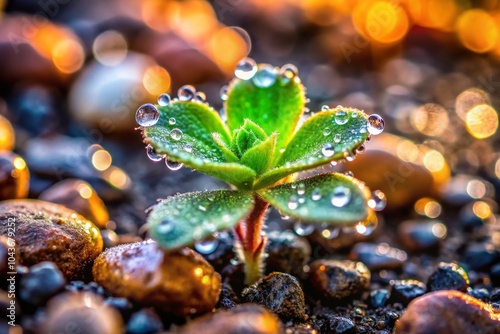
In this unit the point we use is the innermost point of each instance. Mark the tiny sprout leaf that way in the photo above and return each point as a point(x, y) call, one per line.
point(182, 220)
point(229, 155)
point(334, 199)
point(247, 136)
point(260, 156)
point(327, 136)
point(275, 108)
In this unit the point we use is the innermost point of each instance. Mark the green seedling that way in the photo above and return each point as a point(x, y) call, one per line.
point(258, 146)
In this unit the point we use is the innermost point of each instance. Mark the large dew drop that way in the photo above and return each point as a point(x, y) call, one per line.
point(376, 124)
point(288, 72)
point(186, 93)
point(378, 200)
point(341, 196)
point(152, 155)
point(147, 115)
point(301, 189)
point(173, 165)
point(341, 117)
point(303, 229)
point(206, 246)
point(245, 69)
point(176, 134)
point(223, 93)
point(293, 202)
point(265, 77)
point(166, 226)
point(316, 194)
point(163, 100)
point(200, 97)
point(327, 150)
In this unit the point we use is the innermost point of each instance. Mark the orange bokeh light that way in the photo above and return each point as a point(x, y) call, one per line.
point(477, 30)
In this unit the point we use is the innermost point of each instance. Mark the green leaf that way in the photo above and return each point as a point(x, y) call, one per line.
point(260, 156)
point(327, 136)
point(335, 199)
point(195, 147)
point(276, 108)
point(183, 219)
point(228, 154)
point(247, 136)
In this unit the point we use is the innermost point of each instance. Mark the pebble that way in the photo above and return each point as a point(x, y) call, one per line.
point(227, 298)
point(480, 293)
point(379, 297)
point(287, 252)
point(145, 321)
point(420, 235)
point(81, 312)
point(245, 318)
point(7, 136)
point(448, 276)
point(338, 325)
point(122, 305)
point(79, 196)
point(14, 176)
point(404, 291)
point(378, 256)
point(181, 282)
point(480, 255)
point(51, 232)
point(279, 292)
point(43, 281)
point(444, 312)
point(335, 280)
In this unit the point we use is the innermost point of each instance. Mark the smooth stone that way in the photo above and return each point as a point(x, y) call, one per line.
point(145, 321)
point(43, 281)
point(81, 312)
point(335, 280)
point(7, 136)
point(279, 292)
point(455, 192)
point(419, 235)
point(14, 176)
point(79, 196)
point(480, 255)
point(338, 325)
point(379, 297)
point(404, 291)
point(181, 282)
point(479, 293)
point(50, 232)
point(444, 312)
point(287, 252)
point(448, 276)
point(244, 318)
point(378, 256)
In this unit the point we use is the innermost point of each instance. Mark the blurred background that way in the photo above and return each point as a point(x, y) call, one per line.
point(72, 74)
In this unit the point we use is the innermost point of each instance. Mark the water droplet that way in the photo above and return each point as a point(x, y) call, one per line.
point(334, 163)
point(341, 196)
point(327, 150)
point(349, 173)
point(301, 189)
point(163, 99)
point(150, 151)
point(363, 229)
point(245, 69)
point(171, 121)
point(186, 93)
point(316, 194)
point(188, 148)
point(166, 226)
point(302, 200)
point(376, 124)
point(173, 165)
point(202, 208)
point(282, 150)
point(330, 232)
point(350, 156)
point(147, 115)
point(223, 114)
point(293, 202)
point(303, 229)
point(378, 200)
point(223, 93)
point(360, 149)
point(354, 114)
point(341, 117)
point(327, 131)
point(325, 107)
point(206, 246)
point(176, 134)
point(337, 138)
point(265, 77)
point(200, 97)
point(288, 72)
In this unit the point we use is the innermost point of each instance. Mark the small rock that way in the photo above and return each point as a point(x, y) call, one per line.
point(122, 305)
point(480, 255)
point(379, 297)
point(335, 280)
point(279, 292)
point(145, 321)
point(480, 293)
point(81, 312)
point(80, 286)
point(457, 190)
point(378, 256)
point(7, 137)
point(287, 252)
point(406, 290)
point(43, 281)
point(180, 282)
point(448, 276)
point(246, 318)
point(109, 238)
point(50, 232)
point(14, 176)
point(338, 325)
point(418, 235)
point(448, 312)
point(227, 298)
point(79, 196)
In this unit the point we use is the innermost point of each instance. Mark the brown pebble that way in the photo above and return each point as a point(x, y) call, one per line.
point(50, 232)
point(81, 312)
point(78, 195)
point(448, 311)
point(181, 282)
point(14, 176)
point(7, 137)
point(245, 318)
point(335, 280)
